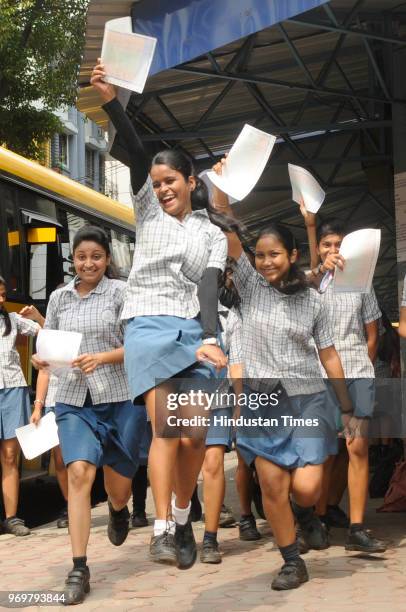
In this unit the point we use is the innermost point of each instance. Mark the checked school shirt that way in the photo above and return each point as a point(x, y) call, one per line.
point(97, 316)
point(11, 374)
point(349, 313)
point(279, 332)
point(170, 259)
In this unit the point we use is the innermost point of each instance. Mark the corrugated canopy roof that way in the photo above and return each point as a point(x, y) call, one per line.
point(321, 81)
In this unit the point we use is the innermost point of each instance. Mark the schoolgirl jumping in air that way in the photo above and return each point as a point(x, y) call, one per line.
point(171, 313)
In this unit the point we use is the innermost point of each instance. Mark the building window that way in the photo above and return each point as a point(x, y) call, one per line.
point(60, 152)
point(89, 167)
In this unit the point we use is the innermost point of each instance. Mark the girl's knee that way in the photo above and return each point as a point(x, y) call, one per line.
point(81, 474)
point(307, 493)
point(213, 464)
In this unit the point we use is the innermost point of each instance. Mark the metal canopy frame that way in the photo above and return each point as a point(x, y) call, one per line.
point(321, 82)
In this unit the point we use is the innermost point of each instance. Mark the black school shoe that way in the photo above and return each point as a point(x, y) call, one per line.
point(162, 549)
point(77, 585)
point(63, 519)
point(248, 529)
point(363, 541)
point(119, 525)
point(139, 519)
point(210, 552)
point(312, 530)
point(185, 544)
point(291, 576)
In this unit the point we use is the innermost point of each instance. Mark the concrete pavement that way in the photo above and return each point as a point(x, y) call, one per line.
point(124, 579)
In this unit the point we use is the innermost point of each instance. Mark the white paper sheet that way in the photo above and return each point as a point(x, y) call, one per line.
point(205, 178)
point(306, 188)
point(245, 163)
point(360, 250)
point(58, 348)
point(37, 439)
point(127, 57)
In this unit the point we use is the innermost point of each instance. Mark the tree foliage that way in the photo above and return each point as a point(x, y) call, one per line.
point(41, 44)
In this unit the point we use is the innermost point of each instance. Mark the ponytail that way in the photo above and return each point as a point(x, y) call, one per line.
point(4, 314)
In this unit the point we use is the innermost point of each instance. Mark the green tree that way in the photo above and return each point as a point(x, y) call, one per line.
point(41, 44)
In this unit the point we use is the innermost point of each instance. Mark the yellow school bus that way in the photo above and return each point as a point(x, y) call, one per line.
point(40, 212)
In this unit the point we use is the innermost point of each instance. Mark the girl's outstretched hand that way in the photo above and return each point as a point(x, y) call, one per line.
point(107, 91)
point(309, 218)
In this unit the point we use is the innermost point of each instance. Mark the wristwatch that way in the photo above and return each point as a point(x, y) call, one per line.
point(212, 341)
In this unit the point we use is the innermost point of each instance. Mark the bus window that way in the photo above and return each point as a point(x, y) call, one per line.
point(13, 241)
point(73, 224)
point(122, 254)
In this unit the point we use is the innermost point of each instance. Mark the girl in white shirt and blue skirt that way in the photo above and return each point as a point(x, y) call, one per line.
point(15, 408)
point(98, 425)
point(171, 311)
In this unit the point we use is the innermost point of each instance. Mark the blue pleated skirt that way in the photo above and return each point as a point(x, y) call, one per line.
point(157, 348)
point(102, 434)
point(15, 411)
point(283, 442)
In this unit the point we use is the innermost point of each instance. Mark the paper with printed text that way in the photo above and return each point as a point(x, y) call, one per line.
point(127, 56)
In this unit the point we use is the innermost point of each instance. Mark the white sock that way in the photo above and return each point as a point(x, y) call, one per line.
point(162, 525)
point(180, 515)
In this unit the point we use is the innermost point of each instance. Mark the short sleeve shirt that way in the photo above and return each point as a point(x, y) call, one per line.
point(97, 316)
point(349, 313)
point(170, 259)
point(11, 374)
point(279, 333)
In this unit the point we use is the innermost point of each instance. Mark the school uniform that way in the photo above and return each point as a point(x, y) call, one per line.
point(161, 305)
point(50, 399)
point(349, 313)
point(280, 361)
point(15, 407)
point(96, 420)
point(222, 434)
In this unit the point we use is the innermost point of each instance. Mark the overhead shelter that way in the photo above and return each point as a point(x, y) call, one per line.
point(327, 81)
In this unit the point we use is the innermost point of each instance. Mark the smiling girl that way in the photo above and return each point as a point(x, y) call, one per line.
point(171, 309)
point(97, 424)
point(282, 320)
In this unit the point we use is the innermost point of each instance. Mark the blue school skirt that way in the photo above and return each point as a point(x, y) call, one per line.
point(15, 411)
point(102, 434)
point(362, 394)
point(283, 441)
point(220, 432)
point(157, 348)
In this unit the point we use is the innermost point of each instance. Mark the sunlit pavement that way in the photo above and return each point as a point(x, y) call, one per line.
point(124, 578)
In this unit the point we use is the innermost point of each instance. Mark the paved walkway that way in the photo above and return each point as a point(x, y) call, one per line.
point(124, 578)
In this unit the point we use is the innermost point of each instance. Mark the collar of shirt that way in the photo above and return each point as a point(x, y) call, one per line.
point(202, 212)
point(100, 288)
point(265, 283)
